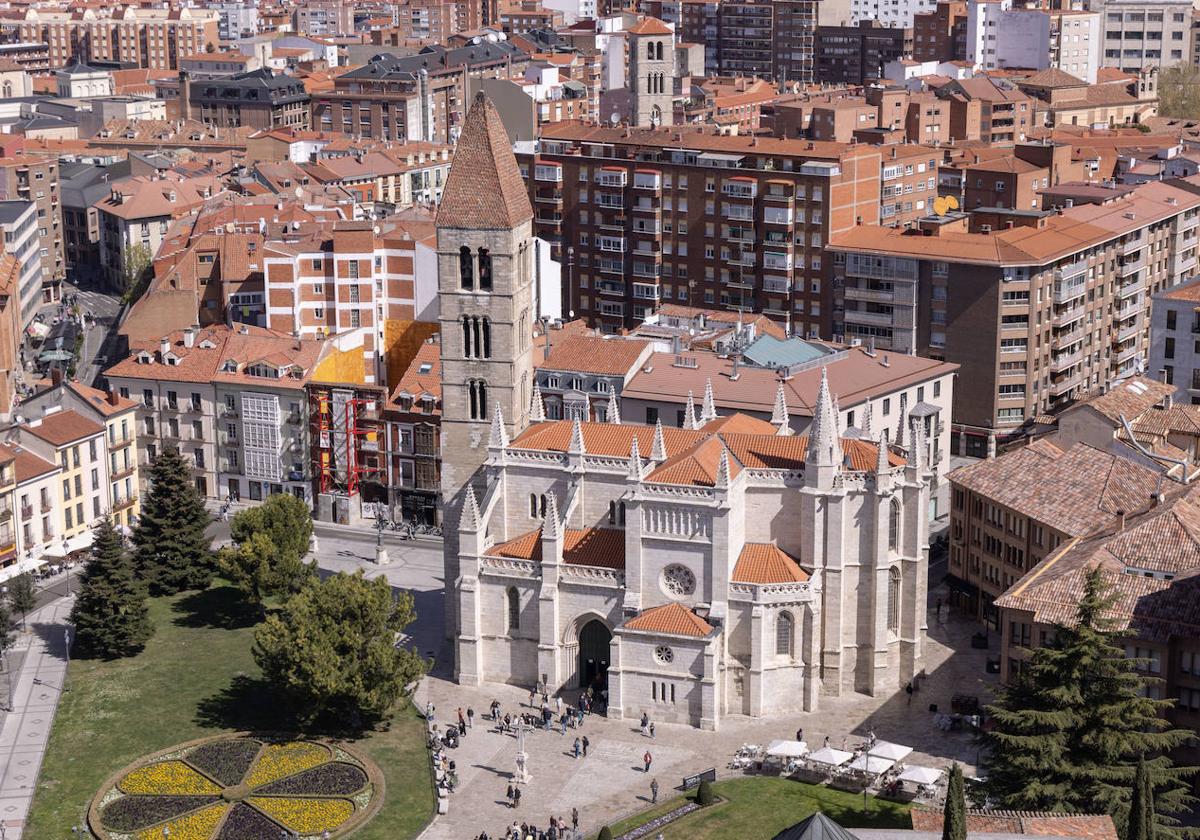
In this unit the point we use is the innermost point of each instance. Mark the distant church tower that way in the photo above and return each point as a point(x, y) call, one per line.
point(486, 300)
point(651, 45)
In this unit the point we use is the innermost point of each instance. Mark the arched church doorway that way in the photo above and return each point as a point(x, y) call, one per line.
point(594, 640)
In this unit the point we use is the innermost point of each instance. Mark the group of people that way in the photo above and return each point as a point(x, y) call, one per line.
point(445, 773)
point(557, 830)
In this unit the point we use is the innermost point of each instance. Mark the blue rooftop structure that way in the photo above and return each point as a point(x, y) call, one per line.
point(770, 352)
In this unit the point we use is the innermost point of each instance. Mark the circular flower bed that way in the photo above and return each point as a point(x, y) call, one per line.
point(239, 787)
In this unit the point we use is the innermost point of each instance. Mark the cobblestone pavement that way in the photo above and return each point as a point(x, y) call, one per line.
point(610, 782)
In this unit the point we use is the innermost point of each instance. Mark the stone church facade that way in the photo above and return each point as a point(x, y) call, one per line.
point(727, 567)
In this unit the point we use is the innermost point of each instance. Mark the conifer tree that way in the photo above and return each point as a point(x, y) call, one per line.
point(954, 813)
point(172, 551)
point(1140, 824)
point(22, 595)
point(1069, 731)
point(110, 615)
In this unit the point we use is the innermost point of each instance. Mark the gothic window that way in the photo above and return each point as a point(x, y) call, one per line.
point(533, 505)
point(485, 326)
point(466, 272)
point(542, 506)
point(678, 581)
point(784, 633)
point(477, 399)
point(612, 513)
point(893, 602)
point(650, 50)
point(658, 52)
point(485, 270)
point(514, 609)
point(621, 514)
point(894, 525)
point(468, 337)
point(8, 90)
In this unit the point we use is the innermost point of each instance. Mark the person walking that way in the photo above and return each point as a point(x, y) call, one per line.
point(462, 720)
point(908, 689)
point(429, 710)
point(654, 791)
point(585, 742)
point(645, 724)
point(532, 697)
point(562, 724)
point(647, 759)
point(577, 747)
point(574, 819)
point(516, 797)
point(509, 795)
point(651, 729)
point(558, 703)
point(800, 734)
point(470, 718)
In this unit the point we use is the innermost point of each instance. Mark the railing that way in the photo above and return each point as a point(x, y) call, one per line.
point(122, 502)
point(26, 511)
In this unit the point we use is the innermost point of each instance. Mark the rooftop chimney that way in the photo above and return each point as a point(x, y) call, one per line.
point(189, 336)
point(164, 347)
point(1121, 520)
point(111, 396)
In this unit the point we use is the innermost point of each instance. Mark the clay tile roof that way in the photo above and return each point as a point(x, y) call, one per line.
point(593, 354)
point(649, 26)
point(696, 466)
point(1053, 78)
point(603, 547)
point(28, 466)
point(485, 188)
point(1038, 823)
point(673, 619)
point(63, 427)
point(765, 563)
point(1130, 398)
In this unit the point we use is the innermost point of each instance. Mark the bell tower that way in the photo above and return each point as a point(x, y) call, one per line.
point(486, 302)
point(651, 45)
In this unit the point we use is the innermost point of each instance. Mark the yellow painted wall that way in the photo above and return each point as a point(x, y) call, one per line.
point(401, 341)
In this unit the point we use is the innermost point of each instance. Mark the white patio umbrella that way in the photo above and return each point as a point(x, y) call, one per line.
point(919, 775)
point(886, 749)
point(872, 764)
point(830, 756)
point(787, 749)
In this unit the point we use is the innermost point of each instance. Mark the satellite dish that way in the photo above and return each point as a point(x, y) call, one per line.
point(299, 192)
point(614, 118)
point(376, 230)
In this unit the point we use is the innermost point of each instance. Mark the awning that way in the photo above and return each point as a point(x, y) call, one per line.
point(873, 765)
point(61, 548)
point(918, 775)
point(37, 329)
point(787, 749)
point(830, 756)
point(886, 749)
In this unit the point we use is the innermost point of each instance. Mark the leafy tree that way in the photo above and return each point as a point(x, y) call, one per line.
point(1179, 92)
point(331, 651)
point(22, 595)
point(1140, 825)
point(172, 551)
point(1068, 732)
point(110, 615)
point(285, 520)
point(954, 814)
point(134, 272)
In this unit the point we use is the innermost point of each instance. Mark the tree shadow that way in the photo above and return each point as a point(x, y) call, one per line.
point(221, 606)
point(252, 704)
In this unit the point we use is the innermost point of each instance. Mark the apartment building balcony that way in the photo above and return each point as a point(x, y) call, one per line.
point(1066, 291)
point(777, 284)
point(610, 287)
point(740, 213)
point(6, 512)
point(123, 472)
point(1127, 333)
point(548, 196)
point(1069, 317)
point(613, 177)
point(26, 511)
point(1066, 339)
point(8, 478)
point(609, 266)
point(551, 172)
point(647, 291)
point(548, 220)
point(612, 223)
point(779, 192)
point(47, 506)
point(740, 188)
point(647, 180)
point(1128, 290)
point(740, 282)
point(226, 411)
point(1059, 363)
point(122, 502)
point(641, 269)
point(1132, 351)
point(877, 319)
point(1133, 266)
point(645, 227)
point(777, 262)
point(1061, 386)
point(645, 204)
point(778, 216)
point(1131, 245)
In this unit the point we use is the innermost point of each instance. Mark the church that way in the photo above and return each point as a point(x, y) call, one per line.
point(726, 567)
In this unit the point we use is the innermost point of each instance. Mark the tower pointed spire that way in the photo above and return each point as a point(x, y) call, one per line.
point(635, 461)
point(866, 423)
point(723, 468)
point(837, 417)
point(485, 190)
point(902, 421)
point(689, 412)
point(779, 413)
point(824, 444)
point(537, 408)
point(575, 447)
point(708, 409)
point(613, 413)
point(916, 446)
point(471, 520)
point(499, 436)
point(883, 465)
point(658, 451)
point(551, 527)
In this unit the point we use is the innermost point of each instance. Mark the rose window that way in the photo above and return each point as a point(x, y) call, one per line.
point(664, 654)
point(679, 580)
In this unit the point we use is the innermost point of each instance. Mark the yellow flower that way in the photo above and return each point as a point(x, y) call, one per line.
point(198, 825)
point(307, 816)
point(277, 761)
point(167, 777)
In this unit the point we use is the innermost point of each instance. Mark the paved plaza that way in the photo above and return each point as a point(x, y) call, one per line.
point(610, 782)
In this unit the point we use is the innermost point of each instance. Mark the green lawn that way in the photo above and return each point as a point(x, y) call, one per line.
point(195, 678)
point(762, 806)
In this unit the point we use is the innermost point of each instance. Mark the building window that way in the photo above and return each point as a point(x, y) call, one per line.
point(477, 336)
point(465, 270)
point(477, 398)
point(514, 609)
point(485, 270)
point(894, 524)
point(893, 602)
point(784, 633)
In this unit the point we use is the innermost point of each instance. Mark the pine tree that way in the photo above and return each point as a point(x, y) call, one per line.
point(271, 541)
point(172, 551)
point(22, 595)
point(954, 814)
point(1069, 731)
point(1140, 824)
point(110, 615)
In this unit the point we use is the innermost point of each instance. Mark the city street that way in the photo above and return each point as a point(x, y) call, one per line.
point(98, 335)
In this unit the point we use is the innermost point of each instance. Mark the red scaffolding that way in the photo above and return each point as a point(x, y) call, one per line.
point(345, 437)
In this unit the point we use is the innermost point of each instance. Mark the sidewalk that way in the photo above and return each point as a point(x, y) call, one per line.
point(26, 731)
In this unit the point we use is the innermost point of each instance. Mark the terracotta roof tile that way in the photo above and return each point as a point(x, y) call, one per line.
point(27, 466)
point(485, 188)
point(674, 619)
point(63, 427)
point(1130, 398)
point(593, 354)
point(649, 26)
point(603, 547)
point(766, 563)
point(697, 466)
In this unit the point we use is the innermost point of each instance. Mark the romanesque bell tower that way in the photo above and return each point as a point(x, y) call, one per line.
point(486, 300)
point(651, 45)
